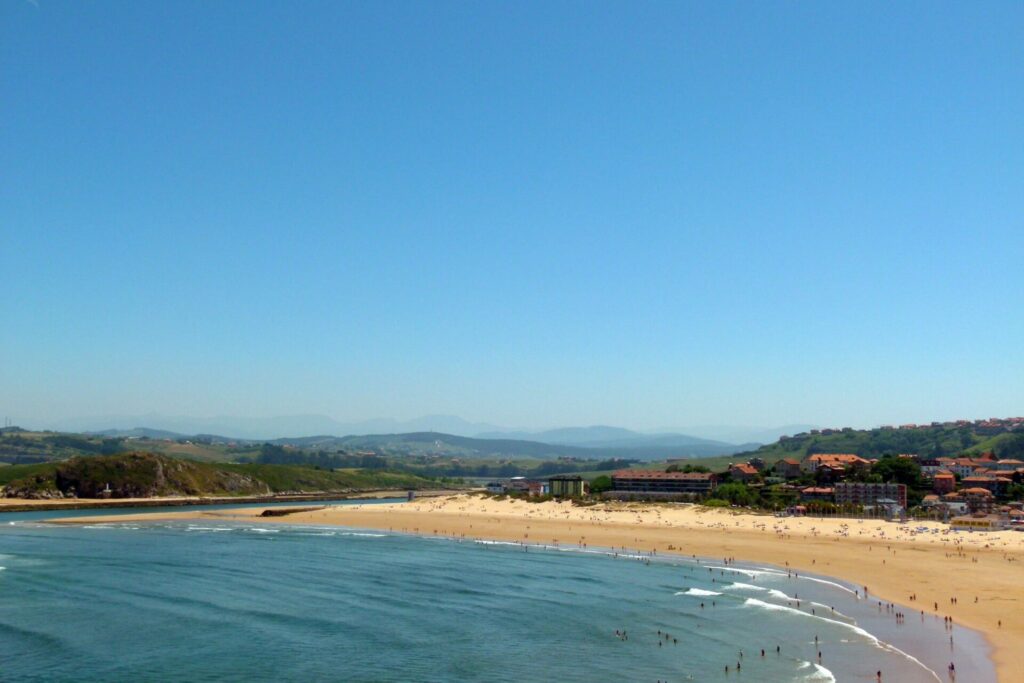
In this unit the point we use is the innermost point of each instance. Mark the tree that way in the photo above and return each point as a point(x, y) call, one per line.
point(601, 484)
point(735, 493)
point(687, 468)
point(899, 470)
point(1012, 447)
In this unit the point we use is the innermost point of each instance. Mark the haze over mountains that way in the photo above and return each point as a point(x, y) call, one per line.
point(274, 427)
point(294, 426)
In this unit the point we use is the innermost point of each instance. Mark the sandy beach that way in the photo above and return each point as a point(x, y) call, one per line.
point(982, 572)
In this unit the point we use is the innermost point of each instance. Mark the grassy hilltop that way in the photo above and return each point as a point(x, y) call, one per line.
point(143, 475)
point(932, 441)
point(18, 446)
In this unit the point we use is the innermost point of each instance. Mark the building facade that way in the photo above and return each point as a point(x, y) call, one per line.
point(822, 493)
point(945, 482)
point(665, 483)
point(744, 473)
point(567, 486)
point(863, 493)
point(788, 468)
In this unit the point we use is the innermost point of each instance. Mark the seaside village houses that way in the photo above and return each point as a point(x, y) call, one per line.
point(968, 492)
point(963, 491)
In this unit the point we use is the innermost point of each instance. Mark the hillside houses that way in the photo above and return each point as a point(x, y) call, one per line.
point(745, 473)
point(841, 478)
point(833, 461)
point(788, 468)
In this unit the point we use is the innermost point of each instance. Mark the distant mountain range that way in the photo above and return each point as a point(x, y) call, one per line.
point(264, 428)
point(439, 443)
point(734, 434)
point(272, 427)
point(436, 443)
point(600, 436)
point(267, 428)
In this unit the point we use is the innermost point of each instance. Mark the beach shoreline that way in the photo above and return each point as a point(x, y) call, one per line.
point(942, 571)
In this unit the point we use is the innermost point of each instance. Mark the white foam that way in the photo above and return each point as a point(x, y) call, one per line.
point(771, 591)
point(263, 531)
point(485, 542)
point(359, 533)
point(831, 583)
point(880, 644)
point(752, 573)
point(700, 592)
point(833, 612)
point(821, 674)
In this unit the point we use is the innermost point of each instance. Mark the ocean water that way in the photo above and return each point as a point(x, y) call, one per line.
point(202, 601)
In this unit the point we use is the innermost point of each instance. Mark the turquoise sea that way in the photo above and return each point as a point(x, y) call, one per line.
point(200, 601)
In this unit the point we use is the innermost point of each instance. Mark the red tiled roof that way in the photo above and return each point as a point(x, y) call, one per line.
point(977, 491)
point(830, 458)
point(655, 474)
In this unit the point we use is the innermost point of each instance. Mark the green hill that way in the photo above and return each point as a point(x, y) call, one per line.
point(19, 447)
point(416, 444)
point(926, 441)
point(144, 475)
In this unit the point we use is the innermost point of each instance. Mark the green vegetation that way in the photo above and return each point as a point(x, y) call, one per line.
point(1009, 445)
point(600, 484)
point(129, 475)
point(22, 447)
point(141, 475)
point(689, 467)
point(433, 466)
point(888, 469)
point(736, 494)
point(926, 442)
point(285, 478)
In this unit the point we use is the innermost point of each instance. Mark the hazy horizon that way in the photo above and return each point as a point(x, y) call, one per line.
point(532, 215)
point(303, 425)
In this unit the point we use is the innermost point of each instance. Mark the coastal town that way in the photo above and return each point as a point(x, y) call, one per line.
point(980, 492)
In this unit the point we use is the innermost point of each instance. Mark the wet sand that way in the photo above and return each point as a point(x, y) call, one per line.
point(983, 572)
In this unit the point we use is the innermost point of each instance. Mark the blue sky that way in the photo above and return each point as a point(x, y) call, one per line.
point(530, 214)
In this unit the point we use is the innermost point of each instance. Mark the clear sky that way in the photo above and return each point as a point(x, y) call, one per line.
point(530, 214)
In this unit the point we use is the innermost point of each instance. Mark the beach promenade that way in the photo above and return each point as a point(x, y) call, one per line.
point(977, 579)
